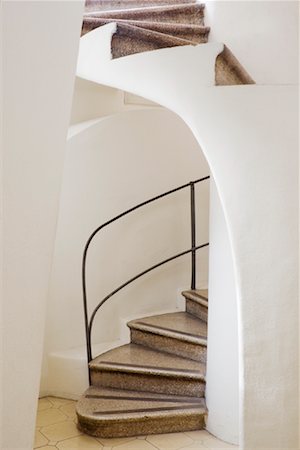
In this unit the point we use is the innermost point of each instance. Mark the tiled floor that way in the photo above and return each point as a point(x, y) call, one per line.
point(56, 429)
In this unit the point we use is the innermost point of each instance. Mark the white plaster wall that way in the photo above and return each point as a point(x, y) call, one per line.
point(91, 101)
point(263, 35)
point(40, 43)
point(222, 393)
point(249, 136)
point(114, 164)
point(1, 232)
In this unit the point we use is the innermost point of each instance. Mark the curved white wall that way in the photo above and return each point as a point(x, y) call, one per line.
point(222, 392)
point(115, 163)
point(245, 132)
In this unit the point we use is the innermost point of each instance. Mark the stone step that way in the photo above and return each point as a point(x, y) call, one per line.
point(128, 40)
point(197, 303)
point(187, 13)
point(138, 368)
point(176, 333)
point(195, 33)
point(110, 5)
point(229, 71)
point(107, 413)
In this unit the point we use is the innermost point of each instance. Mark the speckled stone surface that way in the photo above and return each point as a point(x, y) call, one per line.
point(196, 33)
point(197, 310)
point(176, 333)
point(132, 358)
point(179, 325)
point(135, 367)
point(109, 5)
point(149, 383)
point(113, 413)
point(128, 40)
point(197, 295)
point(228, 70)
point(170, 345)
point(188, 13)
point(146, 387)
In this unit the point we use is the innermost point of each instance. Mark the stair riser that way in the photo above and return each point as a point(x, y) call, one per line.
point(197, 310)
point(127, 45)
point(148, 383)
point(169, 345)
point(110, 429)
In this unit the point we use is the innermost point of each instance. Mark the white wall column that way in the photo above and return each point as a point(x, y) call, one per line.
point(40, 43)
point(222, 393)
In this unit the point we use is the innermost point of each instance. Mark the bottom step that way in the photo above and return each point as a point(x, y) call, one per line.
point(107, 413)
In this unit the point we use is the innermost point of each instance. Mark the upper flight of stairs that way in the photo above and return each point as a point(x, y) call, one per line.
point(155, 384)
point(148, 25)
point(143, 25)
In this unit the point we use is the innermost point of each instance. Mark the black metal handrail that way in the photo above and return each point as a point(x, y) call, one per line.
point(192, 250)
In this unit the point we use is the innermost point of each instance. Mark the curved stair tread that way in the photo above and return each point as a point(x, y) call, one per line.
point(190, 13)
point(196, 33)
point(133, 358)
point(117, 404)
point(197, 295)
point(179, 325)
point(105, 5)
point(107, 413)
point(128, 40)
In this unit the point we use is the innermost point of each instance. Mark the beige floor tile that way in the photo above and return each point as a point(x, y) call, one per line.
point(49, 417)
point(80, 442)
point(114, 442)
point(214, 443)
point(137, 444)
point(196, 445)
point(69, 409)
point(43, 404)
point(61, 431)
point(48, 447)
point(39, 439)
point(170, 440)
point(197, 435)
point(57, 402)
point(141, 437)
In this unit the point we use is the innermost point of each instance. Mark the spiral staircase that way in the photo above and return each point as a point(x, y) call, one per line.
point(156, 383)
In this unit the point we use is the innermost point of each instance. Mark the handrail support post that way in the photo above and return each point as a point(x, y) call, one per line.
point(193, 235)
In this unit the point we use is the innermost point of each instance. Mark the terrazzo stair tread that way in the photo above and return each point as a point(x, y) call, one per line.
point(179, 325)
point(128, 40)
point(105, 412)
point(134, 358)
point(197, 295)
point(135, 367)
point(195, 33)
point(189, 13)
point(104, 5)
point(178, 333)
point(229, 71)
point(196, 302)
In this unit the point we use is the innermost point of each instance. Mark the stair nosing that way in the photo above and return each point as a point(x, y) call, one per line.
point(168, 332)
point(146, 8)
point(163, 36)
point(169, 372)
point(195, 297)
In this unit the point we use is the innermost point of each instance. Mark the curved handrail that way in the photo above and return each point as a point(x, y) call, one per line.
point(89, 322)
